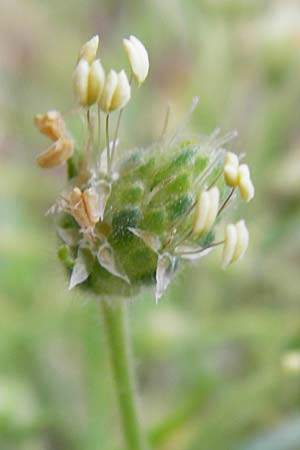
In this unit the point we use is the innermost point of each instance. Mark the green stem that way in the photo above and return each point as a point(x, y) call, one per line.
point(115, 318)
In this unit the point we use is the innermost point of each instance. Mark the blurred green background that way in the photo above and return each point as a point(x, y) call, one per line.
point(211, 352)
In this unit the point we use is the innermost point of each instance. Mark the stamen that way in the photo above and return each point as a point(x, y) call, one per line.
point(215, 180)
point(99, 128)
point(114, 146)
point(107, 142)
point(89, 143)
point(226, 201)
point(213, 244)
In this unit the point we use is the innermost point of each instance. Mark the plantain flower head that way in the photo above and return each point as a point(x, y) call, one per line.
point(138, 58)
point(128, 220)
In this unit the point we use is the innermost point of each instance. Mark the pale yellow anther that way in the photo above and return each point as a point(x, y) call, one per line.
point(236, 242)
point(229, 245)
point(206, 210)
point(80, 81)
point(122, 92)
point(88, 82)
point(51, 124)
point(84, 207)
point(242, 240)
point(56, 154)
point(238, 176)
point(138, 58)
point(231, 159)
point(214, 197)
point(245, 184)
point(110, 86)
point(201, 212)
point(116, 92)
point(89, 50)
point(231, 166)
point(96, 82)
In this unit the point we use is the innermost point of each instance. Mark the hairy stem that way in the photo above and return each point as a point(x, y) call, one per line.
point(117, 333)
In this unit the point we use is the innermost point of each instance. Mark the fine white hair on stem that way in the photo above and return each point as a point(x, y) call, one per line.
point(166, 122)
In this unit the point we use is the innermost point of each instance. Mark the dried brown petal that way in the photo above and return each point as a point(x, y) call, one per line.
point(90, 199)
point(84, 207)
point(56, 154)
point(51, 124)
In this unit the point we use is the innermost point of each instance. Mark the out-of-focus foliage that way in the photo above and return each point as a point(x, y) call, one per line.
point(211, 351)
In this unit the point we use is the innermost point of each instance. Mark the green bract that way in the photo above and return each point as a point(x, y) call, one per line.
point(149, 209)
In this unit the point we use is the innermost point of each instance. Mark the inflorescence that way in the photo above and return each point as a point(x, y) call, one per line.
point(128, 220)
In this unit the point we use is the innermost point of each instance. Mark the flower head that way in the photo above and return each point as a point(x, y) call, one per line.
point(127, 220)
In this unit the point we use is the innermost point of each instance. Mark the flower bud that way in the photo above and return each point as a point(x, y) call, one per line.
point(89, 50)
point(88, 81)
point(235, 243)
point(206, 210)
point(116, 92)
point(84, 207)
point(51, 124)
point(56, 154)
point(245, 184)
point(138, 58)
